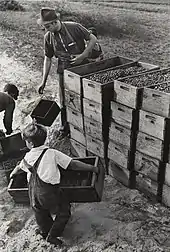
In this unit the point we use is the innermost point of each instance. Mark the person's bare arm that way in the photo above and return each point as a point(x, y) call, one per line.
point(79, 58)
point(46, 70)
point(81, 166)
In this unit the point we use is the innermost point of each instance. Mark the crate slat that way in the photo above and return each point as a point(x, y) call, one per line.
point(74, 117)
point(152, 124)
point(93, 128)
point(155, 101)
point(77, 134)
point(74, 101)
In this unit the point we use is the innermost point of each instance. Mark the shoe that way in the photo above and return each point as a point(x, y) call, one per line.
point(54, 240)
point(40, 232)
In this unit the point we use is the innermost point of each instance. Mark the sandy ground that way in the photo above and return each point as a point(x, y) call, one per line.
point(123, 221)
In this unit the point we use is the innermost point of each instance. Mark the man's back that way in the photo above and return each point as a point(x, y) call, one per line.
point(5, 101)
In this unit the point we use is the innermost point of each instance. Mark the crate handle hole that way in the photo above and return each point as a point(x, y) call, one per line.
point(119, 129)
point(91, 85)
point(70, 76)
point(120, 109)
point(124, 88)
point(156, 95)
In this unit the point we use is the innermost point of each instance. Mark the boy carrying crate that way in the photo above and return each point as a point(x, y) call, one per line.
point(42, 166)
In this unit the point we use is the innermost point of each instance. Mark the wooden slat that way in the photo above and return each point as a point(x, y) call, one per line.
point(156, 101)
point(147, 186)
point(147, 165)
point(74, 117)
point(77, 134)
point(95, 146)
point(120, 134)
point(93, 128)
point(119, 173)
point(73, 100)
point(77, 149)
point(119, 154)
point(152, 124)
point(92, 110)
point(149, 145)
point(166, 195)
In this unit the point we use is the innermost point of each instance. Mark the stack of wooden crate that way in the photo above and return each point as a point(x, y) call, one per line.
point(84, 106)
point(124, 127)
point(152, 137)
point(156, 117)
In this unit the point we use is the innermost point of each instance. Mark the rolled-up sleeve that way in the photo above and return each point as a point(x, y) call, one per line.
point(62, 159)
point(48, 46)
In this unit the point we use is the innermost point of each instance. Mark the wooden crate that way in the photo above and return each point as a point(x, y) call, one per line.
point(46, 112)
point(155, 101)
point(120, 155)
point(125, 116)
point(166, 195)
point(149, 145)
point(93, 110)
point(132, 96)
point(77, 134)
point(12, 144)
point(8, 162)
point(74, 117)
point(153, 124)
point(74, 101)
point(122, 135)
point(73, 76)
point(167, 175)
point(95, 146)
point(78, 186)
point(77, 149)
point(93, 128)
point(121, 174)
point(99, 92)
point(147, 165)
point(147, 186)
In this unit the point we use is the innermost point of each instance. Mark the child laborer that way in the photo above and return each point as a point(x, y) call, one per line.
point(7, 104)
point(41, 164)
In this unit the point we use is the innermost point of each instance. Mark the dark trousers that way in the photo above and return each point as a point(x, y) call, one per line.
point(46, 199)
point(62, 101)
point(47, 225)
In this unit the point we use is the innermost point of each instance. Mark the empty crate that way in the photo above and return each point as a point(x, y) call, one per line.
point(46, 112)
point(78, 186)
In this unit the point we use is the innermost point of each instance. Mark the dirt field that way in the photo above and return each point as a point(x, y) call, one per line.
point(125, 220)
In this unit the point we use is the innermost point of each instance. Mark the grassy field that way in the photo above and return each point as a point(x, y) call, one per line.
point(138, 29)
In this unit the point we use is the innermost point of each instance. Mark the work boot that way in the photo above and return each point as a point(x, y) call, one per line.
point(40, 232)
point(54, 240)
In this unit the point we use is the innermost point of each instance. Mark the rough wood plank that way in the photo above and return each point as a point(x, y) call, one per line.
point(152, 124)
point(147, 186)
point(77, 134)
point(118, 154)
point(73, 100)
point(166, 195)
point(95, 146)
point(120, 134)
point(156, 101)
point(149, 145)
point(92, 110)
point(147, 165)
point(119, 173)
point(74, 117)
point(77, 149)
point(126, 94)
point(93, 128)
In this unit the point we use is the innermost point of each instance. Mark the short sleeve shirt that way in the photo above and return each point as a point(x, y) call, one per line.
point(78, 33)
point(48, 170)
